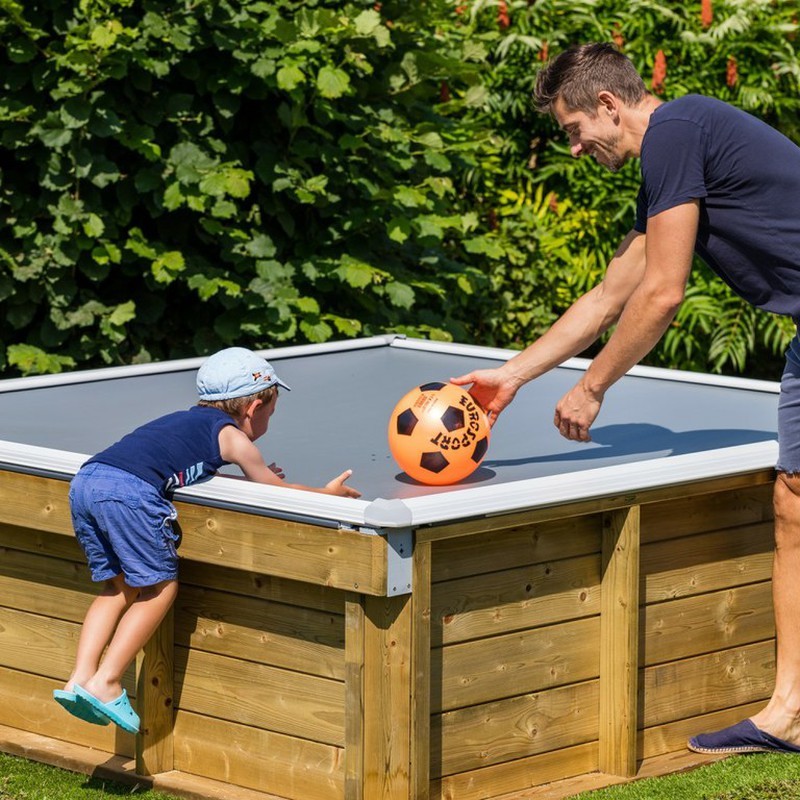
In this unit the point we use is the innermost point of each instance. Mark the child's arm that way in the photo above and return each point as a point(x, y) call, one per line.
point(236, 448)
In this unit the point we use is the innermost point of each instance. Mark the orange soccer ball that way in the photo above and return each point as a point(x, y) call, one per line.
point(438, 434)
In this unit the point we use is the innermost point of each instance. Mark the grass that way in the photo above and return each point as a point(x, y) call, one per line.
point(753, 777)
point(756, 777)
point(21, 779)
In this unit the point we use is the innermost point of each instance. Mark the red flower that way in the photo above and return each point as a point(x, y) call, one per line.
point(444, 92)
point(659, 72)
point(503, 17)
point(706, 13)
point(617, 36)
point(732, 72)
point(544, 53)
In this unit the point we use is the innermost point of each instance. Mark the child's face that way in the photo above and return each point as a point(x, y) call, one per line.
point(261, 417)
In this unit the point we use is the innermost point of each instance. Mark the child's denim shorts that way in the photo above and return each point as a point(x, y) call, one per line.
point(124, 526)
point(789, 412)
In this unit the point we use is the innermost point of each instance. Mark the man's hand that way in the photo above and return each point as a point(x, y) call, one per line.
point(493, 389)
point(575, 413)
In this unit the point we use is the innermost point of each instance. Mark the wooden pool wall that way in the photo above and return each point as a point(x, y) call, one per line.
point(535, 646)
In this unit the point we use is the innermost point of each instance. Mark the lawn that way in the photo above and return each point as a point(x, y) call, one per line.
point(28, 780)
point(752, 777)
point(757, 777)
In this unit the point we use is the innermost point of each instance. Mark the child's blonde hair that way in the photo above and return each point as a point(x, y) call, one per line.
point(235, 406)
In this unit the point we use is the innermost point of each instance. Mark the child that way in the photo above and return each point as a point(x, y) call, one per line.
point(123, 517)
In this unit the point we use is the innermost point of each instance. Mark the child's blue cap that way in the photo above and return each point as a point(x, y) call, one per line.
point(235, 372)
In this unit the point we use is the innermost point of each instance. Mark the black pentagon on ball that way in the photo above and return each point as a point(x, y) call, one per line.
point(480, 450)
point(406, 422)
point(453, 418)
point(431, 387)
point(433, 462)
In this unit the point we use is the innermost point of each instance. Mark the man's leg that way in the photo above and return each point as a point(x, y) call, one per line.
point(781, 717)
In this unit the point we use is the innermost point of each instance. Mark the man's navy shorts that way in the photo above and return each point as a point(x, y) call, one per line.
point(789, 412)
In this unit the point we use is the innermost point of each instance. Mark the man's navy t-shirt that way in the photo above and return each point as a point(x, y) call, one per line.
point(747, 178)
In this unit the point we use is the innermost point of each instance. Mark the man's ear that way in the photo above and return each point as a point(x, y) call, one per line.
point(608, 103)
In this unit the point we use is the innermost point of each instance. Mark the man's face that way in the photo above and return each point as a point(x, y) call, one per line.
point(597, 135)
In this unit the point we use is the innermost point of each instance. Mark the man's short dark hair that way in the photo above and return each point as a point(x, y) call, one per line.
point(580, 73)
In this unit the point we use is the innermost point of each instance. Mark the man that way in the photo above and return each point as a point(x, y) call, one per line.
point(718, 182)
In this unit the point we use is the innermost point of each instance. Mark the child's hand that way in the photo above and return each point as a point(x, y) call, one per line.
point(336, 486)
point(277, 470)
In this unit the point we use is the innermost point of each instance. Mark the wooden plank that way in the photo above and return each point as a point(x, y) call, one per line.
point(260, 585)
point(619, 642)
point(528, 661)
point(355, 622)
point(33, 502)
point(342, 559)
point(28, 705)
point(387, 689)
point(672, 736)
point(580, 784)
point(258, 759)
point(518, 727)
point(37, 644)
point(682, 516)
point(154, 700)
point(716, 621)
point(421, 673)
point(65, 593)
point(596, 505)
point(41, 542)
point(521, 774)
point(707, 562)
point(708, 683)
point(294, 638)
point(515, 547)
point(43, 646)
point(256, 694)
point(105, 767)
point(515, 599)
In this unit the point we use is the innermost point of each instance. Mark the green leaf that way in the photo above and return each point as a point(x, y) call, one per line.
point(30, 360)
point(260, 246)
point(231, 181)
point(290, 77)
point(190, 162)
point(316, 332)
point(400, 294)
point(410, 197)
point(332, 82)
point(21, 50)
point(94, 226)
point(484, 245)
point(366, 22)
point(355, 273)
point(75, 112)
point(123, 313)
point(168, 266)
point(399, 229)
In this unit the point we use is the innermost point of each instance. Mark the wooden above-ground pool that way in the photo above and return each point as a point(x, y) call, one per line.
point(566, 616)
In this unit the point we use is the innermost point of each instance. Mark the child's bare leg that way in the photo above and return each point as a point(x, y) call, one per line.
point(98, 627)
point(135, 628)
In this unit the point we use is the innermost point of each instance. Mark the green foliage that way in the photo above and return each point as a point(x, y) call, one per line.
point(179, 177)
point(746, 56)
point(184, 176)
